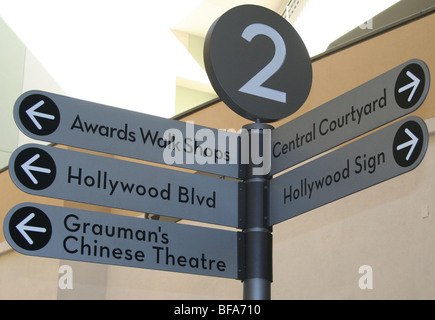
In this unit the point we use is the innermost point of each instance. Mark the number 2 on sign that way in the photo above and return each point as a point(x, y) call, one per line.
point(254, 85)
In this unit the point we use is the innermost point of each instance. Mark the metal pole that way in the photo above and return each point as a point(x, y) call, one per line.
point(258, 235)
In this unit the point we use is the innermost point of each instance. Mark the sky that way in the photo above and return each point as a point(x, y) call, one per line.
point(123, 53)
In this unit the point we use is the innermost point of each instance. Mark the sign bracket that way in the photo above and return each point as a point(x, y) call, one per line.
point(242, 206)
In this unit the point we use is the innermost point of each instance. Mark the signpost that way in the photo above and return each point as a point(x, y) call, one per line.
point(71, 234)
point(252, 56)
point(380, 156)
point(389, 96)
point(83, 124)
point(75, 176)
point(260, 67)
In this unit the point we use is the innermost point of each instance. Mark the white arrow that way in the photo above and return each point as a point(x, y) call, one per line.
point(27, 167)
point(413, 142)
point(32, 113)
point(23, 228)
point(414, 84)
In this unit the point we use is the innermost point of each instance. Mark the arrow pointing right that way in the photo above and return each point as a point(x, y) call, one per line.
point(32, 113)
point(414, 84)
point(412, 143)
point(23, 228)
point(28, 168)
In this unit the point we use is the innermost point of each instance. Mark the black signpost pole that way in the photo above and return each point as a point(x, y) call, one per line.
point(237, 44)
point(258, 235)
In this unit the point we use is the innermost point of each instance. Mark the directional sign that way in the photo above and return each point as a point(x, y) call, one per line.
point(71, 234)
point(69, 175)
point(382, 155)
point(257, 63)
point(73, 122)
point(389, 96)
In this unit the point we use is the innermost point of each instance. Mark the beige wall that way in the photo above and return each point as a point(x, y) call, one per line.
point(389, 227)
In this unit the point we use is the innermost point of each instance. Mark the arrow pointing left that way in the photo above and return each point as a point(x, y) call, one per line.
point(23, 228)
point(32, 113)
point(28, 168)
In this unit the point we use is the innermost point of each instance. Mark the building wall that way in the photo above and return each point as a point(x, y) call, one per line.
point(317, 255)
point(21, 72)
point(12, 66)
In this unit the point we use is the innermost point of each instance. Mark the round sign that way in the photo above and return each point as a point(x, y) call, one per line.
point(35, 168)
point(39, 114)
point(30, 228)
point(409, 86)
point(257, 63)
point(408, 143)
